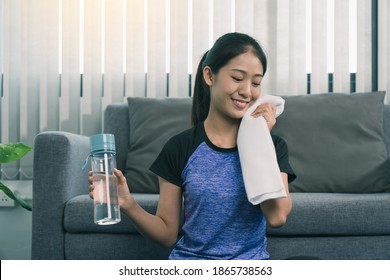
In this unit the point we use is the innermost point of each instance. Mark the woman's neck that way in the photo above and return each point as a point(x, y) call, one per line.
point(222, 132)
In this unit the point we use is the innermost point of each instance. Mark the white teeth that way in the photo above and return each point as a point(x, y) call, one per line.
point(240, 104)
point(238, 101)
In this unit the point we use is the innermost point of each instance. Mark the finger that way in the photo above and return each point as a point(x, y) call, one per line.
point(273, 111)
point(256, 114)
point(269, 108)
point(269, 116)
point(119, 175)
point(258, 111)
point(91, 189)
point(261, 112)
point(90, 180)
point(267, 105)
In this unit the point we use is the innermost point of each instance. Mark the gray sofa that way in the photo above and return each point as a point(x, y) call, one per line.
point(325, 224)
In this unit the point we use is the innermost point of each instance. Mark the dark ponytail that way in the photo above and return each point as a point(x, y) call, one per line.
point(225, 48)
point(201, 99)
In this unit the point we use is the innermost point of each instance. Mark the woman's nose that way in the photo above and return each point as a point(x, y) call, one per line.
point(245, 90)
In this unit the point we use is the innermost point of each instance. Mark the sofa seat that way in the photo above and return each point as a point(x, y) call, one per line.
point(337, 214)
point(314, 214)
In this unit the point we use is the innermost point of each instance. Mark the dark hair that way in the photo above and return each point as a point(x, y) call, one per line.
point(225, 48)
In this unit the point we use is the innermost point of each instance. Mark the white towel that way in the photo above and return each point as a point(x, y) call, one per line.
point(259, 164)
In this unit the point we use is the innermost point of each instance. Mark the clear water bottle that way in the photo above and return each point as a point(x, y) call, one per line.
point(105, 194)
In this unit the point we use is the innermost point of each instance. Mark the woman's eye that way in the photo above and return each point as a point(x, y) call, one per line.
point(237, 79)
point(256, 84)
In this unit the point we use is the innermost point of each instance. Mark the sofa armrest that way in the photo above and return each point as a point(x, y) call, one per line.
point(58, 176)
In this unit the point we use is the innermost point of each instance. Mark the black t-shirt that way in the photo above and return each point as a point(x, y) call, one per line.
point(175, 154)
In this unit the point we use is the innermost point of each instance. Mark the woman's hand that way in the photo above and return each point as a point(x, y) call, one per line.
point(268, 112)
point(125, 199)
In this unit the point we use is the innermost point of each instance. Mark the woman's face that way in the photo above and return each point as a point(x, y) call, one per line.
point(236, 85)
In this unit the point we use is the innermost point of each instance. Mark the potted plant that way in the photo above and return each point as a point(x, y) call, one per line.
point(9, 153)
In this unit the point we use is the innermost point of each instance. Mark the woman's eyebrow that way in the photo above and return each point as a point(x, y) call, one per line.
point(244, 72)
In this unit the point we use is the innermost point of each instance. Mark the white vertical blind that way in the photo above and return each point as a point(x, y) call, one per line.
point(49, 68)
point(222, 18)
point(384, 47)
point(284, 42)
point(63, 61)
point(179, 48)
point(330, 19)
point(364, 58)
point(341, 46)
point(156, 76)
point(264, 30)
point(70, 76)
point(297, 48)
point(136, 54)
point(244, 16)
point(282, 46)
point(319, 75)
point(352, 36)
point(1, 40)
point(92, 86)
point(113, 87)
point(200, 32)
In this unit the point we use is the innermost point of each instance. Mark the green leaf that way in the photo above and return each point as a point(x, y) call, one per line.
point(13, 151)
point(11, 195)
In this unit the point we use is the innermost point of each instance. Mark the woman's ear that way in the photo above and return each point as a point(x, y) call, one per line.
point(208, 75)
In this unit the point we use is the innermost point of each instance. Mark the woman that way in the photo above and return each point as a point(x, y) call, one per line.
point(201, 165)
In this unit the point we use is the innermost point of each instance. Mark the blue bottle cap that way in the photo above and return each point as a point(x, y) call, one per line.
point(102, 143)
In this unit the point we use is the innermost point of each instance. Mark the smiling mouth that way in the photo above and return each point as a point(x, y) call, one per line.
point(241, 104)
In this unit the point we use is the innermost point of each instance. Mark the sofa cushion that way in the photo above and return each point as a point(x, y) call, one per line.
point(337, 214)
point(313, 214)
point(152, 122)
point(336, 142)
